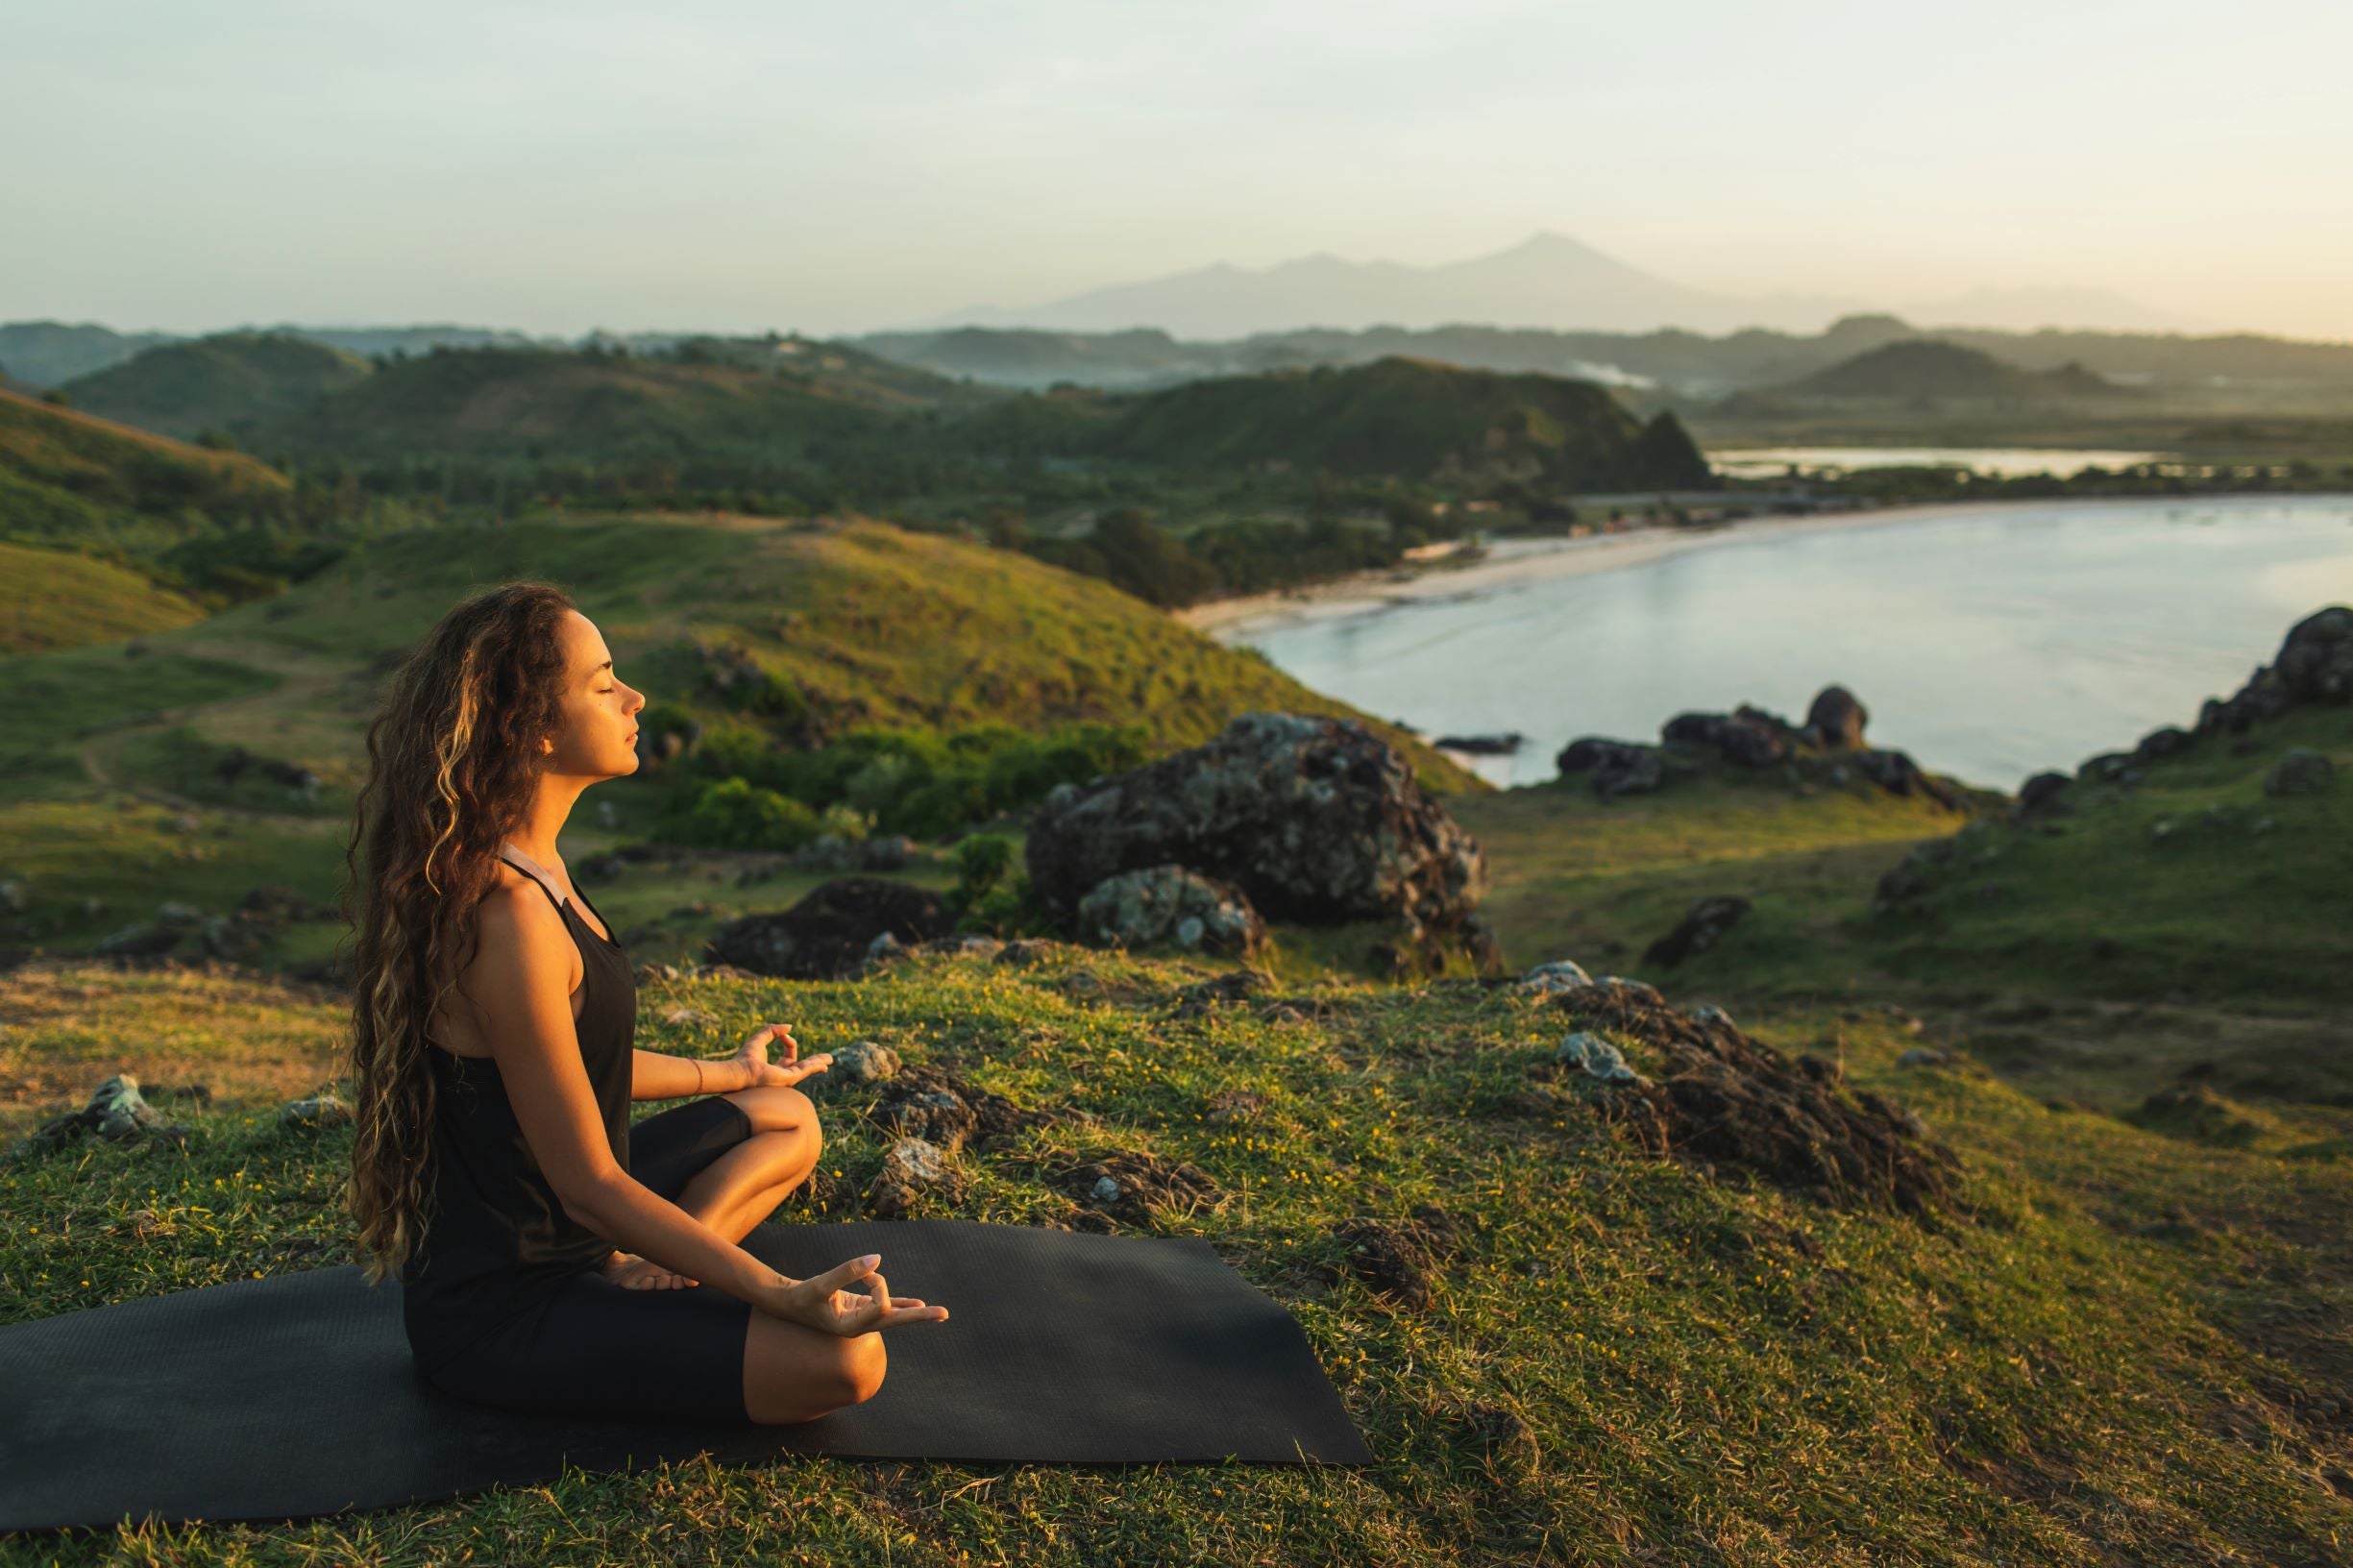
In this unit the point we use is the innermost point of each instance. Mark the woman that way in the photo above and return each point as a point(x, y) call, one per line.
point(551, 1256)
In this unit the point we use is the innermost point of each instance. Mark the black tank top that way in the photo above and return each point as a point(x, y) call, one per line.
point(497, 1239)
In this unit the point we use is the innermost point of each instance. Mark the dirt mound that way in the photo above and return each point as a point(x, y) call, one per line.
point(1716, 1096)
point(1400, 1261)
point(942, 1109)
point(1124, 1186)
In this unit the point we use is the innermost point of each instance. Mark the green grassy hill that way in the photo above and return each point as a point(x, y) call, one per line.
point(1925, 368)
point(2115, 1348)
point(69, 477)
point(52, 598)
point(232, 383)
point(1411, 419)
point(862, 623)
point(713, 400)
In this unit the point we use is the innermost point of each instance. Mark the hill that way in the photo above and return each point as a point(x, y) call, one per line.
point(55, 599)
point(44, 354)
point(1410, 419)
point(706, 401)
point(2111, 1345)
point(753, 631)
point(1930, 369)
point(231, 383)
point(67, 476)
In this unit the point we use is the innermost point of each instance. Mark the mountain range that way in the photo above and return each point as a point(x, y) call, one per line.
point(1547, 280)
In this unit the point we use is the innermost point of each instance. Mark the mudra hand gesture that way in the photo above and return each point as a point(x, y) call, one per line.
point(822, 1301)
point(767, 1074)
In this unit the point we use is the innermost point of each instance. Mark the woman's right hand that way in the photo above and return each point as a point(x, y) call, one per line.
point(823, 1302)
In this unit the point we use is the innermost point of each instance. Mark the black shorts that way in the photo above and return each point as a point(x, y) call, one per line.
point(596, 1348)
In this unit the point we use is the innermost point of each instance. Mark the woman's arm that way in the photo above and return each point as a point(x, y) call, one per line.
point(653, 1076)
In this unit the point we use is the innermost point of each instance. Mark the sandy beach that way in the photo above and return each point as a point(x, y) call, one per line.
point(1509, 561)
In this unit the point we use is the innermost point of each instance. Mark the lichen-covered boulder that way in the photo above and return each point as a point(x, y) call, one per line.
point(1316, 820)
point(1167, 906)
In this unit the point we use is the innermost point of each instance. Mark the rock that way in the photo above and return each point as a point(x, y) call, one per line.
point(1559, 975)
point(1836, 718)
point(138, 942)
point(1597, 1058)
point(1398, 1261)
point(2042, 797)
point(1706, 920)
point(1896, 773)
point(2167, 741)
point(1165, 906)
point(1924, 1056)
point(827, 934)
point(1313, 819)
point(1618, 766)
point(1505, 745)
point(1137, 1184)
point(2316, 662)
point(859, 1061)
point(116, 1113)
point(12, 897)
point(1022, 952)
point(938, 1116)
point(934, 1103)
point(1723, 1099)
point(175, 915)
point(321, 1110)
point(912, 1169)
point(2315, 665)
point(1748, 736)
point(229, 939)
point(273, 902)
point(2299, 771)
point(686, 1017)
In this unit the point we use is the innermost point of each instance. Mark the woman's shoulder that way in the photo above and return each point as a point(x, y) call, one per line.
point(517, 917)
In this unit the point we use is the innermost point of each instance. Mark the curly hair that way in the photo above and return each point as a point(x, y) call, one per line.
point(452, 762)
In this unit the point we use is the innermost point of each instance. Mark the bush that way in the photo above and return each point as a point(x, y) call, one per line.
point(737, 814)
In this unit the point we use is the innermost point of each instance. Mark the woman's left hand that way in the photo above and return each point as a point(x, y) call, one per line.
point(767, 1074)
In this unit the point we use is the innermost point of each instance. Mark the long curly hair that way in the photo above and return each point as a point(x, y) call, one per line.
point(452, 760)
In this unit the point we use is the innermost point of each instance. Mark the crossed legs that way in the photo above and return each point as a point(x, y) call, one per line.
point(791, 1373)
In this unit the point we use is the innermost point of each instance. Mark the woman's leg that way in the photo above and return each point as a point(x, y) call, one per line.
point(733, 1191)
point(742, 1187)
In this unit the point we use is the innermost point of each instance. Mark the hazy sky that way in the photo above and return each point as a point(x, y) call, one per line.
point(848, 166)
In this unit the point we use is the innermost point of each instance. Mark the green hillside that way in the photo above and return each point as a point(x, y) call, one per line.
point(1925, 368)
point(232, 383)
point(2114, 1345)
point(69, 477)
point(788, 401)
point(848, 625)
point(52, 598)
point(1413, 419)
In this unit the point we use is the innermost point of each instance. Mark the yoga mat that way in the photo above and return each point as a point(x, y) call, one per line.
point(294, 1396)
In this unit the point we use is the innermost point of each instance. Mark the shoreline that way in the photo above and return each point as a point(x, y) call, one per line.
point(1509, 562)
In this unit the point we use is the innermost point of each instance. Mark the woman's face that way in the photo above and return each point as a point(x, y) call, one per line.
point(597, 737)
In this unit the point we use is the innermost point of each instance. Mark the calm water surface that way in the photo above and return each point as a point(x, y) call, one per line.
point(1771, 463)
point(1990, 644)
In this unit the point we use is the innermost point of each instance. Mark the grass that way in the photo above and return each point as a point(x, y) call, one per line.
point(2123, 1358)
point(52, 598)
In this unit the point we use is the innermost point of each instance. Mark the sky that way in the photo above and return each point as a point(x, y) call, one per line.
point(740, 168)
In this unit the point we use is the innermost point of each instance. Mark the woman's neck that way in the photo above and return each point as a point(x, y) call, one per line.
point(544, 819)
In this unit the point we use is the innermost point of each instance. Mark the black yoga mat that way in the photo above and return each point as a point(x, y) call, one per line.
point(294, 1396)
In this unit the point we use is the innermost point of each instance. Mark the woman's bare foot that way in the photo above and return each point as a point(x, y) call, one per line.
point(631, 1272)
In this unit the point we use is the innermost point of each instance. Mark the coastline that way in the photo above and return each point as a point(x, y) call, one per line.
point(1513, 561)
